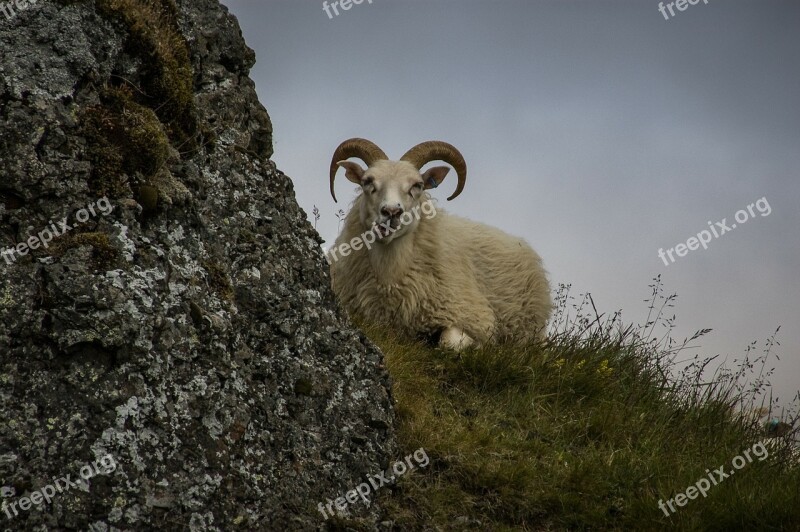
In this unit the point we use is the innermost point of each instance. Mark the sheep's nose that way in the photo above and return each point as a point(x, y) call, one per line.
point(391, 212)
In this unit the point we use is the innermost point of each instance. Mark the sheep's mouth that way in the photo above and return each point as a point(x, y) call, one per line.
point(382, 231)
point(386, 227)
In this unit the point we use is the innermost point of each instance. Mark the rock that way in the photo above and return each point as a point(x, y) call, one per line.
point(187, 337)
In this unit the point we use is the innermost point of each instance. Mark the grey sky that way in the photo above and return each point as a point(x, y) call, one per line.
point(596, 129)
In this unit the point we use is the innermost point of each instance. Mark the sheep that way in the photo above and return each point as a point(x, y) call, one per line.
point(431, 275)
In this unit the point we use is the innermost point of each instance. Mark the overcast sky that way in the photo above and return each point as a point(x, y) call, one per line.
point(597, 130)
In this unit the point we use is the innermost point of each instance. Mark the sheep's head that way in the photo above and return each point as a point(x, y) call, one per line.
point(392, 188)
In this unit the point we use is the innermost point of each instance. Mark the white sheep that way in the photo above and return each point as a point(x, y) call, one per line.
point(433, 274)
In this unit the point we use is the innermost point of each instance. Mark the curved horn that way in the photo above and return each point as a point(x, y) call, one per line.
point(364, 149)
point(436, 150)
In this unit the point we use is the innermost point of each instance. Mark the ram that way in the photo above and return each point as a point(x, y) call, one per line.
point(436, 275)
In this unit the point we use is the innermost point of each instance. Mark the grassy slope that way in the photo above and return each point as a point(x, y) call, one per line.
point(575, 434)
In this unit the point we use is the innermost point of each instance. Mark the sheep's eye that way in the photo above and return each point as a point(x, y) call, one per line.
point(415, 187)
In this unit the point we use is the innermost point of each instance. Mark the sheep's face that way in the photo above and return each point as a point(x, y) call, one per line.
point(390, 190)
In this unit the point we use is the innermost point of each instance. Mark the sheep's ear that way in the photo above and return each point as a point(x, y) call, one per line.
point(433, 177)
point(353, 171)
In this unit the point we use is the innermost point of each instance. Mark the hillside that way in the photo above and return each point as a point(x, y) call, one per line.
point(583, 433)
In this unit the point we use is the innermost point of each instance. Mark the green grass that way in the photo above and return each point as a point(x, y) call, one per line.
point(586, 431)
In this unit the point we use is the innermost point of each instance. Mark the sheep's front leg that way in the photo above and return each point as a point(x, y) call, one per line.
point(455, 338)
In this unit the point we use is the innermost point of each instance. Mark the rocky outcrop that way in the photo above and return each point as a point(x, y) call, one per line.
point(165, 307)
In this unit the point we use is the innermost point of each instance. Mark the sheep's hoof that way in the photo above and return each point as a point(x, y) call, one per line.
point(455, 338)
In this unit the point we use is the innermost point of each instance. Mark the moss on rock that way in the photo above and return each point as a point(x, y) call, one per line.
point(141, 119)
point(104, 254)
point(166, 72)
point(127, 143)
